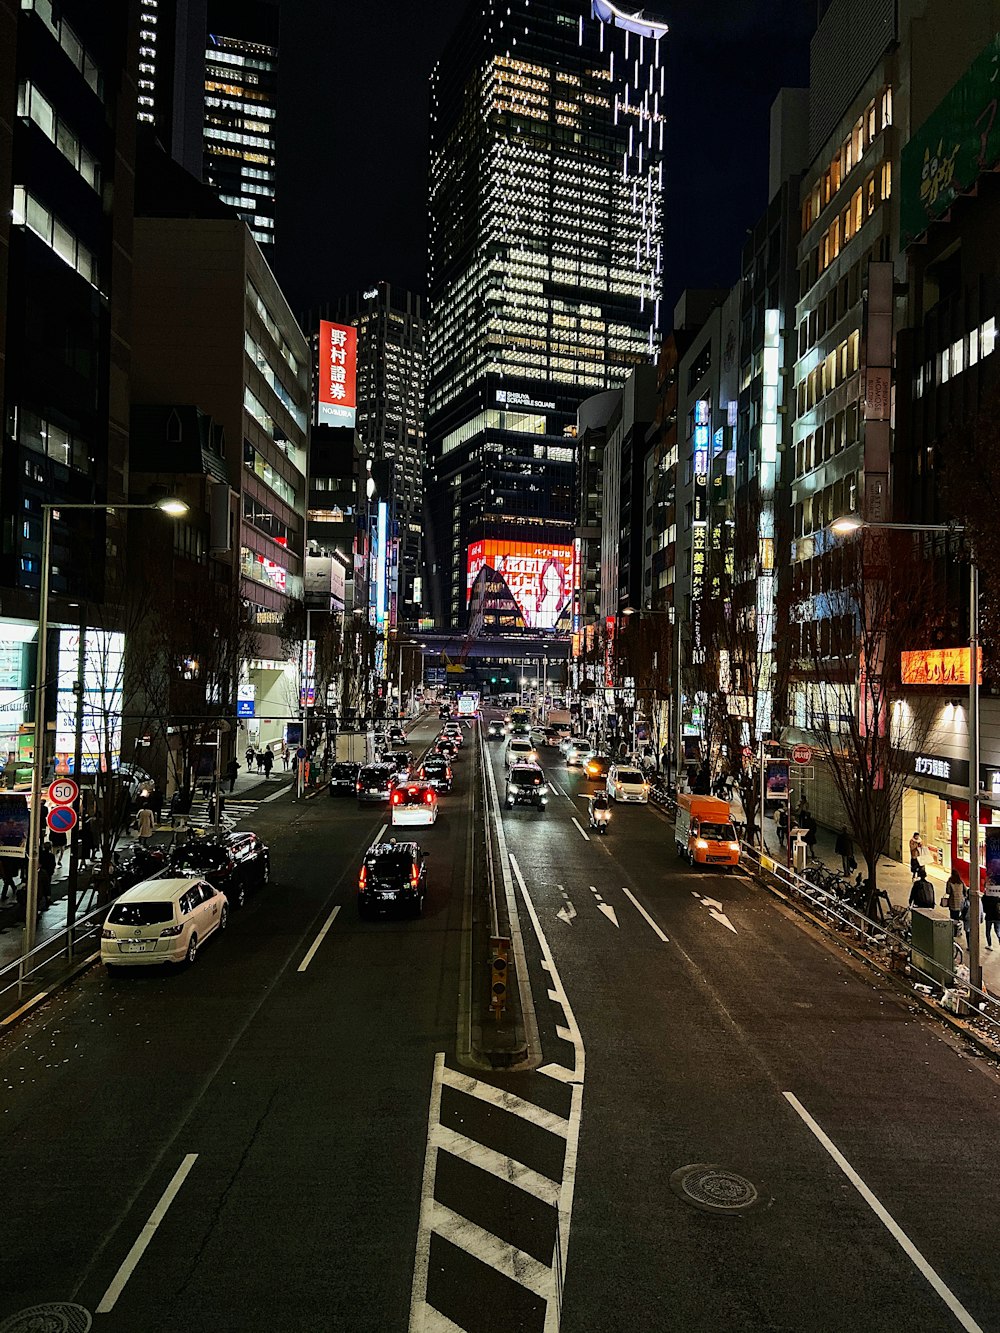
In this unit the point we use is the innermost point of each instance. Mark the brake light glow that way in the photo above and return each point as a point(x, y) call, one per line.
point(415, 876)
point(429, 798)
point(360, 787)
point(363, 877)
point(397, 797)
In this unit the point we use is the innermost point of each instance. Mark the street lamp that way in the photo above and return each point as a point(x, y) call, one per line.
point(174, 508)
point(851, 523)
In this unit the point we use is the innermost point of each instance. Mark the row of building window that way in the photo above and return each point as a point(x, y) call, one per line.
point(68, 40)
point(33, 105)
point(877, 117)
point(271, 324)
point(841, 363)
point(44, 437)
point(828, 440)
point(260, 467)
point(847, 224)
point(259, 359)
point(28, 212)
point(961, 355)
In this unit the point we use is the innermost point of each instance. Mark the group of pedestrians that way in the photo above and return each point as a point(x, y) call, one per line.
point(263, 759)
point(955, 897)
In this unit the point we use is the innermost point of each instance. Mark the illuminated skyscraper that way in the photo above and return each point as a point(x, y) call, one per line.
point(241, 87)
point(545, 270)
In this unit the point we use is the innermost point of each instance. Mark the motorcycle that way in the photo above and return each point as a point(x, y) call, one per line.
point(600, 817)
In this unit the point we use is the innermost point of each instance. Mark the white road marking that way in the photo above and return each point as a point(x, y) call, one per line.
point(319, 939)
point(497, 1164)
point(505, 1101)
point(566, 913)
point(583, 834)
point(571, 1033)
point(145, 1236)
point(419, 1309)
point(282, 791)
point(642, 912)
point(715, 911)
point(497, 1253)
point(380, 835)
point(559, 1072)
point(895, 1231)
point(602, 906)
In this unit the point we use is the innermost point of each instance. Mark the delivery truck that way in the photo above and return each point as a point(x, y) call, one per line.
point(704, 831)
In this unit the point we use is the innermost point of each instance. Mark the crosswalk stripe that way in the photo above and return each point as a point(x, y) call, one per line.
point(505, 1101)
point(436, 1322)
point(497, 1164)
point(493, 1251)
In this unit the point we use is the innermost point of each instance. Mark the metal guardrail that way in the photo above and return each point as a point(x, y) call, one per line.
point(62, 947)
point(885, 942)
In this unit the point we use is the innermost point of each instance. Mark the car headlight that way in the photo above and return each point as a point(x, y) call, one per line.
point(734, 846)
point(701, 844)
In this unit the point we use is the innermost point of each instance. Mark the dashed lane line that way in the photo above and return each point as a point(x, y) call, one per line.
point(643, 913)
point(319, 939)
point(580, 829)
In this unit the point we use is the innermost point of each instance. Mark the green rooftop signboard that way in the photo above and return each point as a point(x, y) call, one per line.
point(957, 142)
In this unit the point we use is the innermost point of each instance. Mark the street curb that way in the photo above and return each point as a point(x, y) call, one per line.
point(316, 790)
point(901, 985)
point(64, 980)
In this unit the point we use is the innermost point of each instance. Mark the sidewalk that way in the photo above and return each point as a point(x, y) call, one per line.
point(896, 879)
point(249, 786)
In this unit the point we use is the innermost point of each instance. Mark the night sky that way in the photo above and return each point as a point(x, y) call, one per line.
point(353, 135)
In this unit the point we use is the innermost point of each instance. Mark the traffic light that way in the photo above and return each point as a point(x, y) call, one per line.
point(498, 974)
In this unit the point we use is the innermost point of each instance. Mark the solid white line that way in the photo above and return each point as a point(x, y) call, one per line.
point(419, 1309)
point(497, 1164)
point(514, 922)
point(559, 1072)
point(581, 831)
point(380, 835)
point(495, 1252)
point(895, 1231)
point(146, 1235)
point(319, 939)
point(282, 791)
point(571, 1032)
point(505, 1101)
point(642, 912)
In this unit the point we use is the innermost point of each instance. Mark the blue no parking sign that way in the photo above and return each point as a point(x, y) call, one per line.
point(61, 819)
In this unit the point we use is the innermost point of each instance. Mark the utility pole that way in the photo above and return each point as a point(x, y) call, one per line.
point(75, 836)
point(975, 959)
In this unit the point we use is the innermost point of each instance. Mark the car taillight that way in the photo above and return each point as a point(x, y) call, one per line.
point(363, 877)
point(397, 797)
point(429, 798)
point(107, 934)
point(170, 930)
point(415, 876)
point(360, 786)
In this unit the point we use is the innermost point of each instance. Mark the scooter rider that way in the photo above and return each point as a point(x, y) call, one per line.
point(599, 808)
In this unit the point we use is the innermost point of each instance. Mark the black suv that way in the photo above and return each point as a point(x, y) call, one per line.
point(526, 785)
point(375, 782)
point(236, 863)
point(344, 779)
point(436, 772)
point(394, 874)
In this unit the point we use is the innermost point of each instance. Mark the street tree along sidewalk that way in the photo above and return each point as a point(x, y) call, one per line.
point(878, 599)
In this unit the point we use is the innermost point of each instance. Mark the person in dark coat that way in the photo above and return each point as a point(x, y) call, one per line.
point(259, 756)
point(268, 762)
point(844, 847)
point(232, 769)
point(46, 869)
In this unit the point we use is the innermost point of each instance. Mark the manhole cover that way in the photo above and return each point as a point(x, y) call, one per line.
point(713, 1188)
point(53, 1317)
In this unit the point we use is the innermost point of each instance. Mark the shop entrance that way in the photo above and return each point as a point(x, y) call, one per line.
point(930, 815)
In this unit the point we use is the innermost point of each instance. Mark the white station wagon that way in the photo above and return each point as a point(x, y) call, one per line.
point(162, 921)
point(626, 783)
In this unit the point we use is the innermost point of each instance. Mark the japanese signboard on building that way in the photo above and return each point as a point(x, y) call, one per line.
point(337, 399)
point(953, 147)
point(538, 575)
point(938, 666)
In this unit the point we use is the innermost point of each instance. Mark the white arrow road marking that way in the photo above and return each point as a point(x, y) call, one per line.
point(602, 906)
point(715, 911)
point(580, 830)
point(567, 912)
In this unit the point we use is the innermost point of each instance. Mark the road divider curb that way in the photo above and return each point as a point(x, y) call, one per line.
point(63, 979)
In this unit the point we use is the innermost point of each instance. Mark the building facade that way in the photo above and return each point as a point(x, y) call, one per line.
point(545, 273)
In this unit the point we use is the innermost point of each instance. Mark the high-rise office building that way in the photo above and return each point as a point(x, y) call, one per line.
point(545, 272)
point(241, 94)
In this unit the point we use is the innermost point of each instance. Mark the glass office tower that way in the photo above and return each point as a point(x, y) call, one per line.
point(546, 230)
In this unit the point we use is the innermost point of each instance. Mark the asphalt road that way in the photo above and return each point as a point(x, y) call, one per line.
point(302, 1149)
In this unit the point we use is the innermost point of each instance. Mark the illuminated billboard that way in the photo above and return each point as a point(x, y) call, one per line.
point(337, 399)
point(539, 576)
point(938, 666)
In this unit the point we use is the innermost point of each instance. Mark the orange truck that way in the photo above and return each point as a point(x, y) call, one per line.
point(704, 831)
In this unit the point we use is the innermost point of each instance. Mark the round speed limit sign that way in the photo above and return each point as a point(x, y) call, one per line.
point(63, 791)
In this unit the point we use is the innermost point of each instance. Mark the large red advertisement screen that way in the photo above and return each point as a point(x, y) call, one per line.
point(337, 400)
point(539, 576)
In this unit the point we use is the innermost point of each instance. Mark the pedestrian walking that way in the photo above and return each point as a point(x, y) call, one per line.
point(88, 838)
point(232, 769)
point(268, 762)
point(954, 896)
point(259, 756)
point(844, 847)
point(916, 851)
point(991, 914)
point(286, 756)
point(58, 841)
point(9, 870)
point(146, 824)
point(249, 757)
point(921, 890)
point(46, 869)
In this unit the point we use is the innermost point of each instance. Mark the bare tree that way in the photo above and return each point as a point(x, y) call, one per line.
point(881, 601)
point(643, 655)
